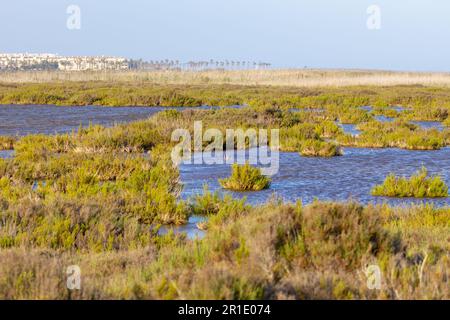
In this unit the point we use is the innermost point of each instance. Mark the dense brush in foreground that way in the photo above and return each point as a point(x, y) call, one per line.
point(277, 251)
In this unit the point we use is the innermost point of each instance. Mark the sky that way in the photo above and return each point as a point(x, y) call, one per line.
point(413, 35)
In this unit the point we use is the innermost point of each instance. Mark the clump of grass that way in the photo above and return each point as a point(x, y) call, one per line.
point(432, 113)
point(273, 251)
point(446, 122)
point(291, 137)
point(6, 143)
point(245, 178)
point(332, 230)
point(387, 112)
point(317, 148)
point(396, 134)
point(353, 116)
point(417, 186)
point(328, 129)
point(206, 204)
point(219, 209)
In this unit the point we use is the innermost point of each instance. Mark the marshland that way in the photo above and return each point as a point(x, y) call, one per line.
point(86, 178)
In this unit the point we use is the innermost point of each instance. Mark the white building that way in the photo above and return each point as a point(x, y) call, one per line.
point(26, 61)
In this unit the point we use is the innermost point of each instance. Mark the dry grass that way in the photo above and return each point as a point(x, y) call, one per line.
point(279, 77)
point(275, 251)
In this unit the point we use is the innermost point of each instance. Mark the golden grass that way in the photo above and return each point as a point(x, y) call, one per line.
point(278, 77)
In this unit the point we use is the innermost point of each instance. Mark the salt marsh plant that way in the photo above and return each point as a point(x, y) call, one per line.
point(245, 178)
point(396, 134)
point(446, 122)
point(352, 115)
point(386, 111)
point(6, 143)
point(291, 138)
point(219, 208)
point(328, 129)
point(317, 148)
point(419, 185)
point(431, 113)
point(274, 251)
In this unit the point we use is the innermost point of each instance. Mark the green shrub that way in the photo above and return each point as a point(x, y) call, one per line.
point(417, 186)
point(317, 148)
point(218, 208)
point(446, 122)
point(331, 231)
point(396, 134)
point(206, 204)
point(432, 113)
point(291, 138)
point(6, 143)
point(328, 129)
point(245, 178)
point(387, 112)
point(353, 116)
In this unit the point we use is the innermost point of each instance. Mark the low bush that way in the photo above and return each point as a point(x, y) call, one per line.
point(353, 116)
point(245, 178)
point(432, 113)
point(6, 143)
point(317, 148)
point(417, 186)
point(446, 122)
point(397, 134)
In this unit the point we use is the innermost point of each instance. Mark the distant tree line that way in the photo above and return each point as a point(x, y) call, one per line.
point(197, 65)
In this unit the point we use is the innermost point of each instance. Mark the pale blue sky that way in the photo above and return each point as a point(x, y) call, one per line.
point(415, 34)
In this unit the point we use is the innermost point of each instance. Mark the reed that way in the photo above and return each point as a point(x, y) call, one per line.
point(277, 77)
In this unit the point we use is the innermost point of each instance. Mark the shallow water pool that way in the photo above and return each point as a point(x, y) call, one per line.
point(350, 176)
point(20, 120)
